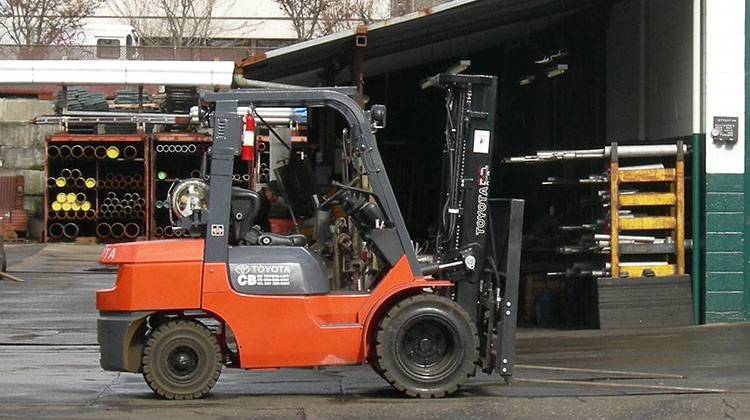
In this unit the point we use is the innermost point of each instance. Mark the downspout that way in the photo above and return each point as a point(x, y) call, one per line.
point(698, 163)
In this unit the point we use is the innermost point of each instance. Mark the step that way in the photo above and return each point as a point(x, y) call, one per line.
point(659, 270)
point(648, 175)
point(634, 249)
point(648, 199)
point(647, 223)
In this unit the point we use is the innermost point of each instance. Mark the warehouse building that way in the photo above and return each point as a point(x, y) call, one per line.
point(579, 74)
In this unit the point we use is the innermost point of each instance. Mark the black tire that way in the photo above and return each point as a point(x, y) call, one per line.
point(3, 259)
point(426, 346)
point(181, 360)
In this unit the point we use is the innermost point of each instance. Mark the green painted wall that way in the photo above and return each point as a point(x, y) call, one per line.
point(725, 280)
point(747, 162)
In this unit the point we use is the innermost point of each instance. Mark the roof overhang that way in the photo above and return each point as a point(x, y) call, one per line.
point(448, 30)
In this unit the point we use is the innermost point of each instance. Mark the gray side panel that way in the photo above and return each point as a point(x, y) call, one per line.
point(275, 270)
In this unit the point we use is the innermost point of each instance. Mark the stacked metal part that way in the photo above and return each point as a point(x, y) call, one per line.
point(80, 99)
point(125, 96)
point(179, 99)
point(589, 243)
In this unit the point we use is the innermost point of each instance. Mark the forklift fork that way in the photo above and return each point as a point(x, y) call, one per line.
point(499, 300)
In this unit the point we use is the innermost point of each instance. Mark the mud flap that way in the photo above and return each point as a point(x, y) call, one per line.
point(121, 336)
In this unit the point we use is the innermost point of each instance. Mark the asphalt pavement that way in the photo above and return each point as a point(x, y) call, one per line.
point(49, 367)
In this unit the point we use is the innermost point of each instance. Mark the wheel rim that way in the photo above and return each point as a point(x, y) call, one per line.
point(428, 348)
point(182, 363)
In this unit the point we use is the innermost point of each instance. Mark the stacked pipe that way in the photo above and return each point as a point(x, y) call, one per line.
point(169, 232)
point(79, 151)
point(71, 205)
point(240, 177)
point(60, 230)
point(71, 178)
point(124, 206)
point(118, 230)
point(177, 148)
point(264, 173)
point(121, 182)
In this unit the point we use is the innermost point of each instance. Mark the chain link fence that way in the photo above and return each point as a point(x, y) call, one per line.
point(108, 52)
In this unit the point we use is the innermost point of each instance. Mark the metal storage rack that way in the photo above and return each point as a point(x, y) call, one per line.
point(174, 156)
point(666, 209)
point(104, 178)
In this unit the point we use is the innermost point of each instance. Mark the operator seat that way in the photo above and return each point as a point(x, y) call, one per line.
point(244, 206)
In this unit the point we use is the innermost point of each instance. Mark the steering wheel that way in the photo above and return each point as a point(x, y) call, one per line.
point(334, 197)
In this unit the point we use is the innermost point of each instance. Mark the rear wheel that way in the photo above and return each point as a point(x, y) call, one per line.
point(426, 346)
point(181, 360)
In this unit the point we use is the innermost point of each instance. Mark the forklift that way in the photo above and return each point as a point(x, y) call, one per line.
point(234, 295)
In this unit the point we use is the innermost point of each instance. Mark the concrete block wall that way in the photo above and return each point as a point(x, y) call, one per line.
point(724, 248)
point(22, 151)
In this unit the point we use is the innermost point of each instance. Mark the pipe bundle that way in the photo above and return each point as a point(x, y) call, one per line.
point(125, 206)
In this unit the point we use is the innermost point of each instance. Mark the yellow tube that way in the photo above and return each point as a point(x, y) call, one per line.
point(62, 197)
point(86, 206)
point(60, 182)
point(56, 206)
point(113, 152)
point(71, 198)
point(89, 183)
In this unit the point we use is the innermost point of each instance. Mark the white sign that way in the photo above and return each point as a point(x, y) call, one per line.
point(481, 141)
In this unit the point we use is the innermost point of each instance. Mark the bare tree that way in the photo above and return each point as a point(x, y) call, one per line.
point(305, 15)
point(402, 7)
point(186, 23)
point(311, 18)
point(43, 22)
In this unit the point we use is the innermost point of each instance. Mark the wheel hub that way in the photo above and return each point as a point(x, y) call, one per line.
point(182, 361)
point(425, 343)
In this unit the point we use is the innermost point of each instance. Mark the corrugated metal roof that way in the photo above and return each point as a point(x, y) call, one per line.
point(444, 31)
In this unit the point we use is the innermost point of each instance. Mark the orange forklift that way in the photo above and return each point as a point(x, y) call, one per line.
point(355, 289)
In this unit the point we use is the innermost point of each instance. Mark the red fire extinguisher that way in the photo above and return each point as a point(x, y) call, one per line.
point(247, 152)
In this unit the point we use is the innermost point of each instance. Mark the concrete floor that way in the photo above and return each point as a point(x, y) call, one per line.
point(49, 367)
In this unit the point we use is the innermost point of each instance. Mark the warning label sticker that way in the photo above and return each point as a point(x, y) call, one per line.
point(481, 141)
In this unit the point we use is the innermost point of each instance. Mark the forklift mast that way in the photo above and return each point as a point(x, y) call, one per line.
point(482, 232)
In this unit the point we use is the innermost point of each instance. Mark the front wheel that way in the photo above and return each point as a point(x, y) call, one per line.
point(427, 346)
point(181, 360)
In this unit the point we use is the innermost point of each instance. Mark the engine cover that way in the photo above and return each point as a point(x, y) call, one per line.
point(277, 270)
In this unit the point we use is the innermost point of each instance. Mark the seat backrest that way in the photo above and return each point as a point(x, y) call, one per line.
point(244, 208)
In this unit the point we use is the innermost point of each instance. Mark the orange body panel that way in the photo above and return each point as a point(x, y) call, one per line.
point(271, 331)
point(156, 275)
